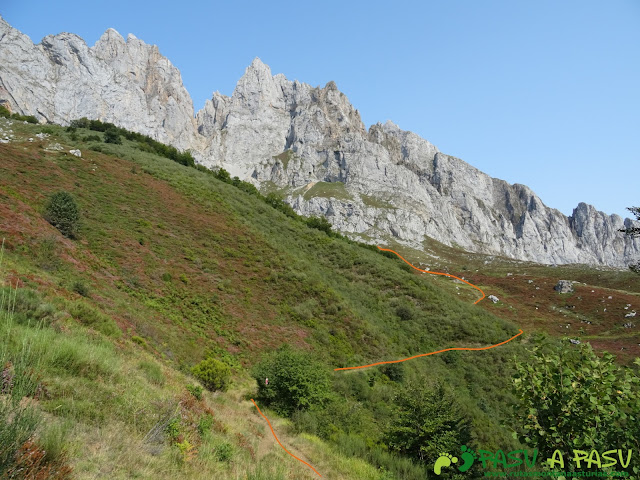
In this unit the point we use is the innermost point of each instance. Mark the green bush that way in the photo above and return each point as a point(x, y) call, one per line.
point(195, 390)
point(404, 312)
point(223, 175)
point(173, 429)
point(4, 112)
point(428, 421)
point(80, 288)
point(205, 423)
point(139, 340)
point(319, 223)
point(279, 204)
point(112, 136)
point(213, 374)
point(569, 397)
point(92, 138)
point(62, 212)
point(296, 381)
point(80, 123)
point(224, 452)
point(394, 371)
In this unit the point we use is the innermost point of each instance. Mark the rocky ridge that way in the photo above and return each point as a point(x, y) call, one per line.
point(309, 142)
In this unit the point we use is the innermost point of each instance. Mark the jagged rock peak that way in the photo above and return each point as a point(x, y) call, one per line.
point(393, 182)
point(129, 84)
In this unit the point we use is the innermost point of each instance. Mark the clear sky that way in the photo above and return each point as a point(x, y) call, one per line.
point(544, 93)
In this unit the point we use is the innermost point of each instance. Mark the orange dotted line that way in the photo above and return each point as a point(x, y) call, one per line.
point(275, 436)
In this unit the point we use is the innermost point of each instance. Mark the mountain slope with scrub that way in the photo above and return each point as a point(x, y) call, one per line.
point(173, 265)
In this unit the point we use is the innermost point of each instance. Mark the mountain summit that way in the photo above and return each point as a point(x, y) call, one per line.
point(308, 142)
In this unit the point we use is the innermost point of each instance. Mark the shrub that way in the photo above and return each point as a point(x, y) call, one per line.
point(92, 138)
point(404, 312)
point(139, 340)
point(224, 452)
point(296, 381)
point(223, 175)
point(279, 204)
point(195, 390)
point(173, 428)
point(572, 398)
point(80, 123)
point(112, 136)
point(428, 421)
point(205, 423)
point(62, 212)
point(80, 288)
point(213, 374)
point(394, 371)
point(16, 116)
point(319, 223)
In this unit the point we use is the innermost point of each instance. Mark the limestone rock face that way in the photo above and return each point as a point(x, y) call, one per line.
point(126, 83)
point(389, 182)
point(310, 141)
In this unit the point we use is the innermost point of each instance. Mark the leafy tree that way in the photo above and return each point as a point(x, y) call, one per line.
point(429, 421)
point(213, 374)
point(62, 212)
point(296, 381)
point(569, 398)
point(633, 232)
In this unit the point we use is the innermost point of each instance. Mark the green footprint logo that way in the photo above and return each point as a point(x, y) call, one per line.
point(468, 456)
point(444, 460)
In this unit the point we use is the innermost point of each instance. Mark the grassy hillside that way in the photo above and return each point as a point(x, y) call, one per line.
point(172, 266)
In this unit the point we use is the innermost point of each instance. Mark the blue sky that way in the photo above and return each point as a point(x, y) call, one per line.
point(543, 93)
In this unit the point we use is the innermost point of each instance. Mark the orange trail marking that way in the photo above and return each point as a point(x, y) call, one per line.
point(274, 436)
point(435, 273)
point(430, 353)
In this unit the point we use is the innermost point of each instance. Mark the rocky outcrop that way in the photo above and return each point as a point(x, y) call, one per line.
point(126, 83)
point(377, 183)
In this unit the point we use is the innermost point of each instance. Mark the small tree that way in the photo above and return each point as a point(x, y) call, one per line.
point(62, 212)
point(213, 374)
point(296, 381)
point(570, 398)
point(428, 421)
point(633, 232)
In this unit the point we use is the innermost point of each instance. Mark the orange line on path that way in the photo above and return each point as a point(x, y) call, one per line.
point(431, 353)
point(436, 273)
point(274, 436)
